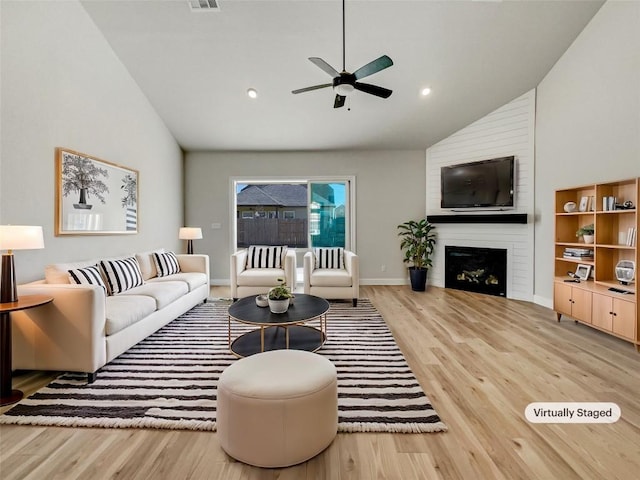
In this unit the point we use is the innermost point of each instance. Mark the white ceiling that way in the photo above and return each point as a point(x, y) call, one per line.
point(195, 68)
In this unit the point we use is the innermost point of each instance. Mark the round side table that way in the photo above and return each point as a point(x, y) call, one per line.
point(7, 395)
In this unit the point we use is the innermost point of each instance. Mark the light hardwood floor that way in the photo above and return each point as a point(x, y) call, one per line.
point(480, 359)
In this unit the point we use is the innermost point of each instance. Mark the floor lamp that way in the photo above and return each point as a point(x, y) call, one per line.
point(15, 237)
point(190, 234)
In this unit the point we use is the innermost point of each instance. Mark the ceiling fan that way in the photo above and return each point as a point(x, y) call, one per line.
point(345, 82)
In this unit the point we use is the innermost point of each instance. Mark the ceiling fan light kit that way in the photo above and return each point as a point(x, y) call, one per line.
point(344, 83)
point(342, 86)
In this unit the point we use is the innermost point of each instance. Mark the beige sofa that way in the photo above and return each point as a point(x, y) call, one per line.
point(84, 328)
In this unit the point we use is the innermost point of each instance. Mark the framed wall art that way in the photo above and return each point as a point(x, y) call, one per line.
point(93, 196)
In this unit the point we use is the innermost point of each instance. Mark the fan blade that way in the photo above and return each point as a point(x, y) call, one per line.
point(320, 63)
point(315, 87)
point(373, 67)
point(373, 89)
point(339, 102)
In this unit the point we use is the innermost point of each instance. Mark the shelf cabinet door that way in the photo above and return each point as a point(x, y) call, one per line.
point(562, 299)
point(603, 312)
point(581, 306)
point(574, 302)
point(624, 318)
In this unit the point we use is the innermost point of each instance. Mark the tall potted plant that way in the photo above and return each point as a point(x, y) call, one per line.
point(418, 242)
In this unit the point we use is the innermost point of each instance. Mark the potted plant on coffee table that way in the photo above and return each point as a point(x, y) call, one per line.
point(279, 297)
point(418, 242)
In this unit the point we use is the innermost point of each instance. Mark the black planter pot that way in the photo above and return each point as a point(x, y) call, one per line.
point(418, 277)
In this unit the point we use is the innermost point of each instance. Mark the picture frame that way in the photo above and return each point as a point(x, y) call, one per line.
point(584, 201)
point(583, 271)
point(94, 196)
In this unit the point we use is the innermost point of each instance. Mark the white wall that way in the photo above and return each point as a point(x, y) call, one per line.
point(62, 85)
point(390, 189)
point(507, 131)
point(588, 121)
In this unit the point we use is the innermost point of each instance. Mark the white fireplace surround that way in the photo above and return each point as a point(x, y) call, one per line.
point(516, 239)
point(506, 131)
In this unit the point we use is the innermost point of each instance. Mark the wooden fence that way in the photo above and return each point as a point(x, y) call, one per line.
point(272, 231)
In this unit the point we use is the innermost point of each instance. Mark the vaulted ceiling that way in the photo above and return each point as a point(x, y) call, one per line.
point(196, 67)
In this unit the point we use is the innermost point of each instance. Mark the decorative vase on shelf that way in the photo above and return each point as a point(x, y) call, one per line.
point(587, 238)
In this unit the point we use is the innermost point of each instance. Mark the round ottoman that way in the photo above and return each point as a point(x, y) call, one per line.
point(277, 408)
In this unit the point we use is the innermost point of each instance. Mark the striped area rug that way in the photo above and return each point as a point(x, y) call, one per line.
point(169, 380)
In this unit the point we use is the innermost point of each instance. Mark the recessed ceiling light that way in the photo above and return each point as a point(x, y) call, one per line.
point(252, 92)
point(425, 91)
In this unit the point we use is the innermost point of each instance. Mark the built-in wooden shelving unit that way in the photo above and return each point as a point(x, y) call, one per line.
point(592, 302)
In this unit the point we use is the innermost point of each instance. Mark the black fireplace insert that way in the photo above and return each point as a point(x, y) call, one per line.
point(481, 270)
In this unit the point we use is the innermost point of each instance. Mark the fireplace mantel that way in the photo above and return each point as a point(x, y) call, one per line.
point(479, 218)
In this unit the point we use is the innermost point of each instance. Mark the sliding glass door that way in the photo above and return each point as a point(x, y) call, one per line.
point(300, 213)
point(328, 214)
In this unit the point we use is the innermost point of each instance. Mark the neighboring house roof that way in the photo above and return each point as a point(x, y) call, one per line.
point(255, 195)
point(275, 195)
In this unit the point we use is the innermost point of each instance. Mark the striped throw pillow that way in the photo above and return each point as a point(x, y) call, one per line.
point(166, 263)
point(329, 257)
point(265, 257)
point(122, 275)
point(87, 276)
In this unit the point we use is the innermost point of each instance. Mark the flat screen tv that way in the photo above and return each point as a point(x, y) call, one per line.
point(485, 184)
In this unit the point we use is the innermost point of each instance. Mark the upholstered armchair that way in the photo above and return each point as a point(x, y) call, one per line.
point(255, 270)
point(332, 273)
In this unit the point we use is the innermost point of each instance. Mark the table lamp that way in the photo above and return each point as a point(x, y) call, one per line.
point(190, 234)
point(15, 237)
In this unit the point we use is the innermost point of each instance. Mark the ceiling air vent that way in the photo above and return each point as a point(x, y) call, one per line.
point(204, 5)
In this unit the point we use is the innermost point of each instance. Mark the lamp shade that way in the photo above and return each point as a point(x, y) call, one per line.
point(190, 233)
point(21, 237)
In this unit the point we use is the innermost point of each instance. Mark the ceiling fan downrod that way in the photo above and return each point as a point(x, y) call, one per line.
point(344, 49)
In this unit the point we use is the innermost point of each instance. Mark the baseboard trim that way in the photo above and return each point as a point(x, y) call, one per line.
point(384, 281)
point(544, 301)
point(225, 282)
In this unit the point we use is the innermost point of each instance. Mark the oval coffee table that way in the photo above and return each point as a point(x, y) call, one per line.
point(279, 331)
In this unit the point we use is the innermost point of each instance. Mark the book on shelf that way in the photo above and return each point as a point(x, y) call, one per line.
point(608, 203)
point(575, 253)
point(631, 236)
point(588, 251)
